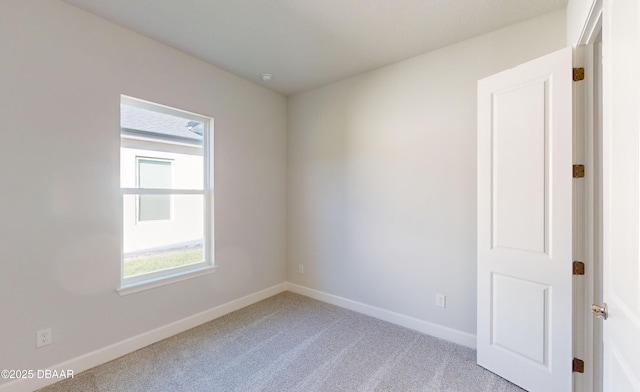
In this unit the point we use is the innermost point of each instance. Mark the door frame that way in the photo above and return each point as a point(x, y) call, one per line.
point(587, 199)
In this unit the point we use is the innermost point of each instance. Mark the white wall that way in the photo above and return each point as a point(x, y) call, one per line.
point(382, 177)
point(61, 75)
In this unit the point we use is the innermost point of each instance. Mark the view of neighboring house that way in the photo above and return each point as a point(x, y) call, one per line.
point(162, 152)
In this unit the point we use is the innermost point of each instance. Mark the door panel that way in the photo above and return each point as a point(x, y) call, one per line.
point(519, 160)
point(524, 223)
point(521, 330)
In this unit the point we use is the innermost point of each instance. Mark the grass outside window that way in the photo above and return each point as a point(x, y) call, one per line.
point(150, 262)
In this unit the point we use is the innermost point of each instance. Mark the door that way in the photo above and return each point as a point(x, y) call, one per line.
point(524, 330)
point(621, 196)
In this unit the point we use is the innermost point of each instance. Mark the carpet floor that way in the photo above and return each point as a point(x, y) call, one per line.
point(292, 343)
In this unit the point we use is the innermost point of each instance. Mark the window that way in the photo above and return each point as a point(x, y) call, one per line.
point(154, 173)
point(166, 170)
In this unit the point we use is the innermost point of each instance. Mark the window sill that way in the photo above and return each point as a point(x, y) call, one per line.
point(126, 289)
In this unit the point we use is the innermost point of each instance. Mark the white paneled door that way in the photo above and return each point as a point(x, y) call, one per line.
point(621, 196)
point(525, 223)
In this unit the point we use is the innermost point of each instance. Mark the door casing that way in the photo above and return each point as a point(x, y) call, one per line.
point(588, 202)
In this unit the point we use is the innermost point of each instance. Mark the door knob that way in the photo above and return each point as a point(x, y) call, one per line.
point(600, 311)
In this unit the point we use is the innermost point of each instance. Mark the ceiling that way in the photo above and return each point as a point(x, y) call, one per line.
point(307, 43)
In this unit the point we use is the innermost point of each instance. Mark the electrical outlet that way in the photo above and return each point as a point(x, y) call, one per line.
point(44, 337)
point(441, 300)
point(301, 268)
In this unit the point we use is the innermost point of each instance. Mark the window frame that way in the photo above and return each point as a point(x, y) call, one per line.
point(158, 278)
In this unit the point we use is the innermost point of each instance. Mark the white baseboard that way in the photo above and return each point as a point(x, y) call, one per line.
point(439, 331)
point(116, 350)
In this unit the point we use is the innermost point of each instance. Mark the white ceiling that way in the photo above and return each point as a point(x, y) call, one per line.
point(307, 43)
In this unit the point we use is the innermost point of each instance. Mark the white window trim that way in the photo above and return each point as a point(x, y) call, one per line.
point(137, 283)
point(176, 276)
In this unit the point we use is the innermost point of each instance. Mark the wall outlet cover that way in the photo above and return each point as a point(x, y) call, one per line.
point(44, 337)
point(441, 300)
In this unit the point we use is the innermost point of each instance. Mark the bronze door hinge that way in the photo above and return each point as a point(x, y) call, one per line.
point(578, 365)
point(578, 74)
point(578, 171)
point(578, 268)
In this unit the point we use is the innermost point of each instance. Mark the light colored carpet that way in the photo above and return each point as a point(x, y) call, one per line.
point(293, 343)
